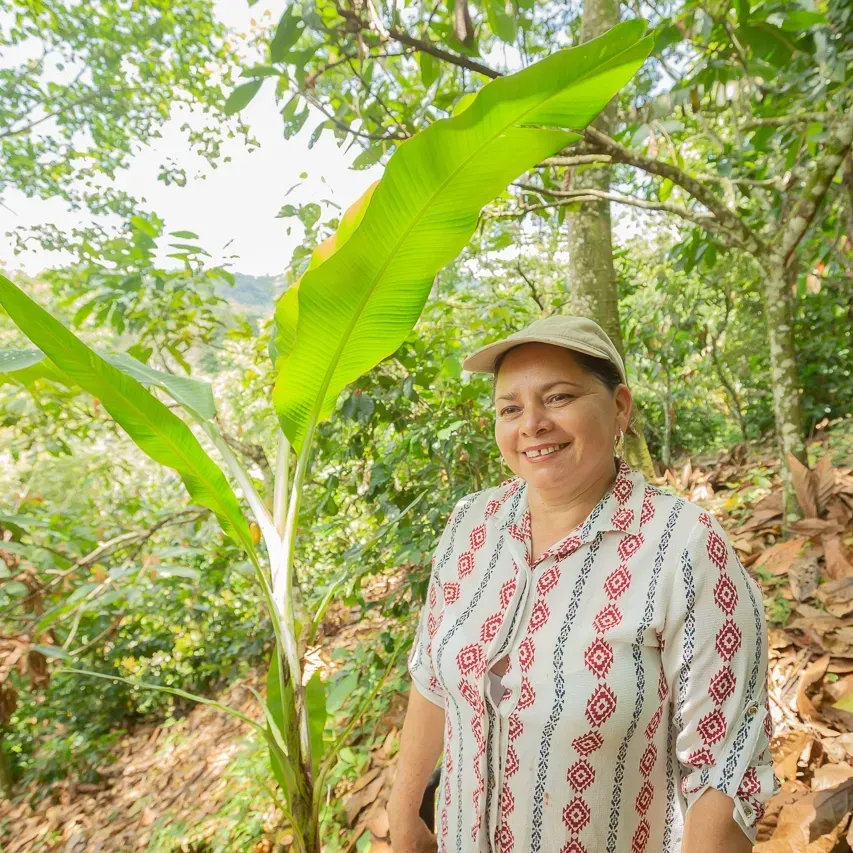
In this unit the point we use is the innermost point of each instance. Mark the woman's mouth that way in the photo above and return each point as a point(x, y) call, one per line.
point(543, 455)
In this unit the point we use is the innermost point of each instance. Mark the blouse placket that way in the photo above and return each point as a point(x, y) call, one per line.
point(514, 631)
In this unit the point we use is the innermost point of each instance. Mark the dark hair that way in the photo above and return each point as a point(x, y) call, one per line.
point(604, 370)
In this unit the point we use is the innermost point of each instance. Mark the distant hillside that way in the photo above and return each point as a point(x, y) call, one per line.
point(254, 292)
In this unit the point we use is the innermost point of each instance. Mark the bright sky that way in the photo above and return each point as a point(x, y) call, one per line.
point(238, 200)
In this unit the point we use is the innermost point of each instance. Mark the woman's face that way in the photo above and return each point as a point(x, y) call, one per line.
point(544, 397)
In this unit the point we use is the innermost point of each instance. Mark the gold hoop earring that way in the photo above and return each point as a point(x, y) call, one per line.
point(619, 448)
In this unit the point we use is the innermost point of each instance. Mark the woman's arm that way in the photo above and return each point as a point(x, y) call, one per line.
point(710, 827)
point(421, 742)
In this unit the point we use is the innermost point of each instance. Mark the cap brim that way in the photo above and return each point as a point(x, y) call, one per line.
point(482, 360)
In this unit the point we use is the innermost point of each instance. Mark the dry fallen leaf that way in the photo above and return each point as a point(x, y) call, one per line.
point(837, 596)
point(811, 674)
point(788, 754)
point(837, 564)
point(778, 558)
point(804, 486)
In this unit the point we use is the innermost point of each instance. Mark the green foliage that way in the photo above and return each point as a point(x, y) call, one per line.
point(102, 84)
point(158, 432)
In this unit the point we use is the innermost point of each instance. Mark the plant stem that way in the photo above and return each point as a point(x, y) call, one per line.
point(282, 474)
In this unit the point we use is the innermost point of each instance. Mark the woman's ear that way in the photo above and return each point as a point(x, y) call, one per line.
point(624, 400)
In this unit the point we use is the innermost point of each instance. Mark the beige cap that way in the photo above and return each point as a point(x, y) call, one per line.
point(562, 330)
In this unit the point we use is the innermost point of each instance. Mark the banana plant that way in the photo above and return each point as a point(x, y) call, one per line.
point(361, 294)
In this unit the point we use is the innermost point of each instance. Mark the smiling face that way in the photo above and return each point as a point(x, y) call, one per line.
point(543, 396)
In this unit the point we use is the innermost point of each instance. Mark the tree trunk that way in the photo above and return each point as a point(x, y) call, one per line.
point(784, 378)
point(591, 278)
point(7, 780)
point(668, 416)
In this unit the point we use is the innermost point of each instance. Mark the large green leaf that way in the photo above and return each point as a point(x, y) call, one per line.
point(193, 394)
point(357, 306)
point(156, 430)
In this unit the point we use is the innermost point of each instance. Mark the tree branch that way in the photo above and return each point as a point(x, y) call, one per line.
point(737, 232)
point(577, 160)
point(599, 195)
point(834, 151)
point(781, 121)
point(536, 298)
point(423, 46)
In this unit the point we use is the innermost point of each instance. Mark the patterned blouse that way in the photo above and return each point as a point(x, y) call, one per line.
point(636, 678)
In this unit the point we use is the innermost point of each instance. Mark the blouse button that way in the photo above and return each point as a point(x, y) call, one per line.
point(752, 710)
point(747, 811)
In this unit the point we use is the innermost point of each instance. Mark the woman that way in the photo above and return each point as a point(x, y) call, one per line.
point(592, 657)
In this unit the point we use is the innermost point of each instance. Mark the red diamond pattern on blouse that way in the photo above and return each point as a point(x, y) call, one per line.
point(433, 596)
point(654, 722)
point(725, 594)
point(749, 784)
point(701, 757)
point(432, 625)
point(504, 838)
point(617, 582)
point(451, 592)
point(566, 548)
point(588, 743)
point(465, 564)
point(598, 658)
point(472, 697)
point(722, 685)
point(526, 654)
point(576, 814)
point(492, 507)
point(641, 837)
point(573, 846)
point(608, 617)
point(478, 537)
point(623, 518)
point(581, 775)
point(516, 728)
point(490, 628)
point(644, 797)
point(629, 545)
point(647, 760)
point(528, 695)
point(663, 688)
point(728, 640)
point(648, 512)
point(511, 761)
point(471, 660)
point(507, 802)
point(548, 580)
point(601, 705)
point(717, 550)
point(539, 616)
point(705, 519)
point(712, 727)
point(622, 489)
point(507, 591)
point(525, 527)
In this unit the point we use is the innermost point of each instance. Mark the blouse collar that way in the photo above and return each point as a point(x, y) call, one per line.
point(620, 509)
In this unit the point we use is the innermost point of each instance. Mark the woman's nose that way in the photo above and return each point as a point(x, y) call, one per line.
point(534, 419)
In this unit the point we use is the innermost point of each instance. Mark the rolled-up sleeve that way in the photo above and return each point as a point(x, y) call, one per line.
point(715, 661)
point(421, 658)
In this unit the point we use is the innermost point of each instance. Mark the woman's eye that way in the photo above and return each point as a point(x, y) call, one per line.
point(509, 409)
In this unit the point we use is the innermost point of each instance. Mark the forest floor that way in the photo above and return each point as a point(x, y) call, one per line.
point(192, 785)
